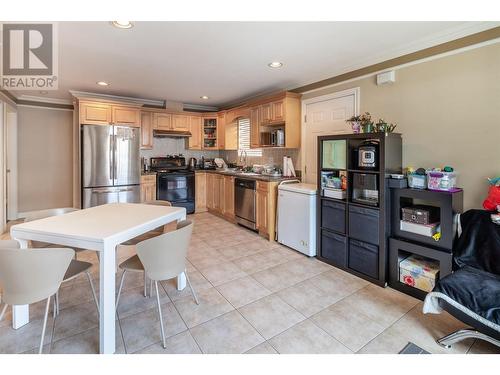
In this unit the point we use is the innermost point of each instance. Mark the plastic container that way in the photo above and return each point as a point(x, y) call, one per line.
point(416, 181)
point(443, 181)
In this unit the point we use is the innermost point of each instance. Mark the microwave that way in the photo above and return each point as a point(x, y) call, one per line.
point(278, 138)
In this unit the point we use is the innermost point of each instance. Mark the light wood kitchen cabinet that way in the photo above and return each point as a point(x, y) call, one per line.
point(210, 178)
point(146, 130)
point(180, 122)
point(221, 131)
point(194, 142)
point(95, 113)
point(228, 196)
point(278, 111)
point(265, 113)
point(200, 188)
point(218, 193)
point(162, 121)
point(125, 116)
point(148, 188)
point(266, 197)
point(254, 127)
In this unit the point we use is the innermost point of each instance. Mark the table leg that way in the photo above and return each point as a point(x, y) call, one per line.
point(181, 279)
point(107, 300)
point(21, 313)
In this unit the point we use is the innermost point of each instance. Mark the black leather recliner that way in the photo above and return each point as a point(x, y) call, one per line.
point(472, 292)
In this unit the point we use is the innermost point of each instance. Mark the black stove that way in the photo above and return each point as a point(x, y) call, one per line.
point(174, 181)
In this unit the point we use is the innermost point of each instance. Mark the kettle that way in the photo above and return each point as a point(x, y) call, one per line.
point(192, 163)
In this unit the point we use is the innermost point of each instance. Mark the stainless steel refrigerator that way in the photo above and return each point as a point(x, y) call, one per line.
point(110, 164)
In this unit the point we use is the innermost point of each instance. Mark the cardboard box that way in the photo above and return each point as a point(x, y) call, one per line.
point(424, 230)
point(419, 272)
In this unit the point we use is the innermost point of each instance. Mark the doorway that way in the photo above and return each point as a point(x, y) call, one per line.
point(325, 115)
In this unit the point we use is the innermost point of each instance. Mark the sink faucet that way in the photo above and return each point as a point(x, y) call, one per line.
point(243, 158)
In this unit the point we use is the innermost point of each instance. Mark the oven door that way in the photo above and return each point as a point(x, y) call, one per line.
point(177, 188)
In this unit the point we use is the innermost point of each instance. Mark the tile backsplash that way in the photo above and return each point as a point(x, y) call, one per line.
point(169, 146)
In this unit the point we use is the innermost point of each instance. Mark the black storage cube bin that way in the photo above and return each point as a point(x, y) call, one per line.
point(364, 224)
point(363, 258)
point(333, 216)
point(334, 248)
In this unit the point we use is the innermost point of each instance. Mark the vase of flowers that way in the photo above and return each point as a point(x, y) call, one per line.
point(366, 122)
point(355, 124)
point(383, 127)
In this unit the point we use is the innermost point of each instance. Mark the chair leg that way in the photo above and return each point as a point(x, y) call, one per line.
point(192, 290)
point(57, 302)
point(93, 292)
point(145, 285)
point(3, 311)
point(151, 288)
point(161, 317)
point(120, 290)
point(462, 334)
point(44, 325)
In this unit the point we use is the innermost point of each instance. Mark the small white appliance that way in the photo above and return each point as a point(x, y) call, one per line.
point(297, 216)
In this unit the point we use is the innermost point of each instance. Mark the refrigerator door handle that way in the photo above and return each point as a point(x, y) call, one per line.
point(103, 191)
point(115, 161)
point(111, 153)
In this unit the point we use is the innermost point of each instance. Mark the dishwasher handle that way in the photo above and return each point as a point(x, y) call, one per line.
point(245, 184)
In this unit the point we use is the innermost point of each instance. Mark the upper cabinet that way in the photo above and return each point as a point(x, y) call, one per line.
point(278, 111)
point(146, 130)
point(107, 114)
point(180, 122)
point(265, 113)
point(254, 127)
point(221, 131)
point(162, 121)
point(194, 142)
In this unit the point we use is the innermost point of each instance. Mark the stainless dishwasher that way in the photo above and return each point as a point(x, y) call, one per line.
point(244, 205)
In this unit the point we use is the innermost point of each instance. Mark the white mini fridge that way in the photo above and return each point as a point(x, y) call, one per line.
point(297, 216)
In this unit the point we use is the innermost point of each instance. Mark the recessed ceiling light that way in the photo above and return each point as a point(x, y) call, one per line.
point(275, 64)
point(102, 83)
point(122, 24)
point(204, 97)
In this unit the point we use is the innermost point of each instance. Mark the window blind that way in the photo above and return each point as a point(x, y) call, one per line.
point(244, 139)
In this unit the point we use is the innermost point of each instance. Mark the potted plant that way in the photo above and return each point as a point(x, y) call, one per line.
point(366, 122)
point(383, 127)
point(355, 122)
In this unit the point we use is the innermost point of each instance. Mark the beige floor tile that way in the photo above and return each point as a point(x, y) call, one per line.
point(385, 343)
point(222, 273)
point(264, 348)
point(25, 338)
point(206, 259)
point(229, 334)
point(483, 347)
point(338, 283)
point(242, 291)
point(271, 315)
point(212, 304)
point(425, 329)
point(259, 261)
point(132, 301)
point(349, 326)
point(143, 329)
point(307, 298)
point(383, 305)
point(238, 250)
point(307, 338)
point(76, 319)
point(182, 343)
point(197, 280)
point(86, 343)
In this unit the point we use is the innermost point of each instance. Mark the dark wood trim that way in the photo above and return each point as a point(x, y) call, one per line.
point(466, 41)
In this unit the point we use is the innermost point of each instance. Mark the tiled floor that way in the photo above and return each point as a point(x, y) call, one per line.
point(255, 297)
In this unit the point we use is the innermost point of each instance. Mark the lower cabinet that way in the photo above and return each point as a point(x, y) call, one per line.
point(266, 197)
point(200, 183)
point(228, 197)
point(148, 188)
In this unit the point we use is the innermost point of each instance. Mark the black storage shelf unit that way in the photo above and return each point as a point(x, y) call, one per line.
point(411, 243)
point(353, 236)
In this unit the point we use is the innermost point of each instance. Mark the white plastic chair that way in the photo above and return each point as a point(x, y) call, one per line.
point(161, 258)
point(29, 276)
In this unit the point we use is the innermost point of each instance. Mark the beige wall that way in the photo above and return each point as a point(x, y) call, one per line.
point(44, 158)
point(448, 112)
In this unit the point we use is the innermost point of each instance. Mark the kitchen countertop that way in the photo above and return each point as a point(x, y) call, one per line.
point(247, 176)
point(148, 173)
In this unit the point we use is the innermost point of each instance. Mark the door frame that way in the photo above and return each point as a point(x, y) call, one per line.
point(355, 91)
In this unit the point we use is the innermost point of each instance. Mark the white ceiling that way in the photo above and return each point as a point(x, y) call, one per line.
point(180, 61)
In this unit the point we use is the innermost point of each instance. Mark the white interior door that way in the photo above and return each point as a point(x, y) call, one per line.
point(325, 115)
point(11, 152)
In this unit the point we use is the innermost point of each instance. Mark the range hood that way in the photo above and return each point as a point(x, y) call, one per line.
point(171, 133)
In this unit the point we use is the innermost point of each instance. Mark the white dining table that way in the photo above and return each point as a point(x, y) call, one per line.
point(101, 229)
